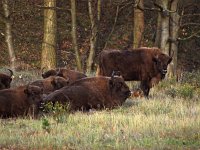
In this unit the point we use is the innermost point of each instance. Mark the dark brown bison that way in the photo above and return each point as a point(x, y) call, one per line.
point(72, 75)
point(20, 101)
point(92, 92)
point(5, 80)
point(148, 65)
point(51, 83)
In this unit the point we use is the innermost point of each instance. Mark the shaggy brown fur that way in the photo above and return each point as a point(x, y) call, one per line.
point(20, 101)
point(92, 92)
point(51, 83)
point(72, 75)
point(142, 64)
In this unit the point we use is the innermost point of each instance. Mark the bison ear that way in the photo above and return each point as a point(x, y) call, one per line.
point(27, 92)
point(54, 82)
point(155, 59)
point(43, 75)
point(67, 80)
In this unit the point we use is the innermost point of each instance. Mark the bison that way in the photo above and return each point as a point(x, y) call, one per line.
point(92, 92)
point(20, 101)
point(5, 80)
point(148, 65)
point(72, 75)
point(51, 83)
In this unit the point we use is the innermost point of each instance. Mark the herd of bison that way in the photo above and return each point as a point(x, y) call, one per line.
point(105, 90)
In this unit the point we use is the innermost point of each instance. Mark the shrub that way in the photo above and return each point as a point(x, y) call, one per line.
point(46, 125)
point(60, 112)
point(186, 91)
point(191, 78)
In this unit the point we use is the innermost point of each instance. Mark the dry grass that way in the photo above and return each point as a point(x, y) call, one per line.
point(164, 121)
point(154, 124)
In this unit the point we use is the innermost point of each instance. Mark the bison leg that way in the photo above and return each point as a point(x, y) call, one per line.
point(145, 88)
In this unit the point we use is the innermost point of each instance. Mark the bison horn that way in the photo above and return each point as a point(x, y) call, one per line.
point(58, 72)
point(11, 72)
point(115, 73)
point(42, 70)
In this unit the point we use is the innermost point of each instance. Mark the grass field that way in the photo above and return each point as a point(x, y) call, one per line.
point(170, 119)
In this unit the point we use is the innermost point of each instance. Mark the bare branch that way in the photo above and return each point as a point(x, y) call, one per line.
point(190, 15)
point(191, 36)
point(54, 8)
point(113, 27)
point(191, 23)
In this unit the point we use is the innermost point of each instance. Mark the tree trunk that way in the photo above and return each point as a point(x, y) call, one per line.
point(9, 38)
point(93, 38)
point(98, 10)
point(164, 44)
point(174, 27)
point(158, 31)
point(49, 41)
point(74, 34)
point(138, 26)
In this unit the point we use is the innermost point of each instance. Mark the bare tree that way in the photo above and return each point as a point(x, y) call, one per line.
point(167, 30)
point(164, 44)
point(74, 34)
point(93, 38)
point(138, 26)
point(174, 28)
point(50, 30)
point(8, 33)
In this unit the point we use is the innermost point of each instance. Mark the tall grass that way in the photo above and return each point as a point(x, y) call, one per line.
point(165, 121)
point(155, 124)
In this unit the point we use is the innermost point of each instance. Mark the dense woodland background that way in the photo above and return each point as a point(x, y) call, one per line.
point(110, 23)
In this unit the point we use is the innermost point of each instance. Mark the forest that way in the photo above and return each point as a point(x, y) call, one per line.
point(39, 35)
point(83, 29)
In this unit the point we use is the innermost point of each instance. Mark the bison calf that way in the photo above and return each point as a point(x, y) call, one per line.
point(20, 101)
point(51, 83)
point(5, 80)
point(92, 92)
point(72, 75)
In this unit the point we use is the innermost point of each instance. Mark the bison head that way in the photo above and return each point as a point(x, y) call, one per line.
point(59, 82)
point(49, 73)
point(34, 94)
point(161, 62)
point(118, 86)
point(5, 80)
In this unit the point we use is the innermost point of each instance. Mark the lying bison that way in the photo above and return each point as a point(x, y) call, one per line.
point(143, 64)
point(5, 80)
point(51, 83)
point(92, 92)
point(72, 75)
point(20, 101)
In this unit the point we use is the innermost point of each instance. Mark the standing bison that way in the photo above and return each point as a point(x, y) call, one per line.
point(5, 80)
point(92, 92)
point(143, 64)
point(51, 83)
point(72, 75)
point(20, 101)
